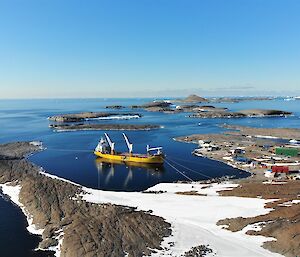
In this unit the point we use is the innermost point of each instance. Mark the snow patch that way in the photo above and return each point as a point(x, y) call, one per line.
point(193, 218)
point(274, 182)
point(116, 117)
point(270, 137)
point(289, 203)
point(56, 177)
point(36, 143)
point(57, 248)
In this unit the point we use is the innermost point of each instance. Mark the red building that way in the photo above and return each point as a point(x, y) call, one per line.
point(280, 169)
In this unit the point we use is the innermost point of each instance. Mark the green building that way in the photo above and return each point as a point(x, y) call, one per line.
point(287, 151)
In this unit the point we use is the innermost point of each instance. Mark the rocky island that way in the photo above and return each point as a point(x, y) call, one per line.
point(193, 99)
point(199, 99)
point(239, 99)
point(239, 114)
point(85, 126)
point(77, 117)
point(156, 106)
point(191, 104)
point(80, 121)
point(114, 107)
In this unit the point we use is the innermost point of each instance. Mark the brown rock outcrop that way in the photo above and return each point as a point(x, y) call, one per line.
point(156, 104)
point(193, 99)
point(89, 229)
point(282, 222)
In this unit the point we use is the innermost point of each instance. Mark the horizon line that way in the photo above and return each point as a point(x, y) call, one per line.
point(151, 97)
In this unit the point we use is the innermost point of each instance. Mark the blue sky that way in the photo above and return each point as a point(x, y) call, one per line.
point(110, 48)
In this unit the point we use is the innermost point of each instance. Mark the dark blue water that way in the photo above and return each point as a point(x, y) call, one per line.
point(69, 154)
point(15, 240)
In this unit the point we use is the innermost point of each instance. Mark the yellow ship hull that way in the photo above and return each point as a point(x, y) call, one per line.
point(150, 159)
point(149, 166)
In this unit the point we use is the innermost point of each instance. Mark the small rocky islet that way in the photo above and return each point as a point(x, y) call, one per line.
point(114, 107)
point(193, 105)
point(77, 117)
point(83, 126)
point(77, 121)
point(240, 114)
point(200, 107)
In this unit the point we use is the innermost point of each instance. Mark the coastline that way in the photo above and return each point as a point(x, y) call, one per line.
point(63, 220)
point(196, 234)
point(235, 207)
point(14, 192)
point(283, 193)
point(243, 169)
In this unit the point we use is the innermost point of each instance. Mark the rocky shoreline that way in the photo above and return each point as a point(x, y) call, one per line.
point(76, 227)
point(65, 214)
point(283, 133)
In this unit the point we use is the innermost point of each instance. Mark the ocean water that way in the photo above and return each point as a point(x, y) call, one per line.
point(70, 154)
point(15, 240)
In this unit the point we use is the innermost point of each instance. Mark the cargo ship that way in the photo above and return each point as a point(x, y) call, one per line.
point(106, 149)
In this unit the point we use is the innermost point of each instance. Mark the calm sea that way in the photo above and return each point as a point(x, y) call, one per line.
point(69, 154)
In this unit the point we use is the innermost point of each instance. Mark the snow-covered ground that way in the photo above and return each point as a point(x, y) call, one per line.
point(193, 218)
point(116, 117)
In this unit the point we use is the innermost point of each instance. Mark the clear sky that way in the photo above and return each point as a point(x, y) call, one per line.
point(121, 48)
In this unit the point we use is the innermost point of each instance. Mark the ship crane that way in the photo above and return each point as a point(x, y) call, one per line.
point(111, 144)
point(108, 152)
point(158, 149)
point(129, 145)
